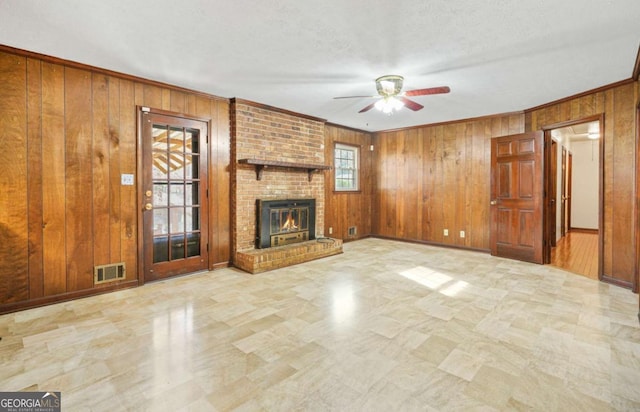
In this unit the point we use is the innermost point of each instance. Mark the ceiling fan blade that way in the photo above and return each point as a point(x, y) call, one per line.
point(410, 104)
point(367, 108)
point(430, 90)
point(353, 97)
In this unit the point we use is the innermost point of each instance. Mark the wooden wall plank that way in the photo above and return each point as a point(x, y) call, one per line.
point(415, 230)
point(178, 102)
point(401, 197)
point(391, 186)
point(166, 99)
point(191, 103)
point(487, 181)
point(609, 152)
point(479, 193)
point(34, 126)
point(221, 163)
point(460, 188)
point(438, 186)
point(376, 209)
point(78, 184)
point(152, 96)
point(101, 162)
point(203, 107)
point(127, 142)
point(214, 172)
point(53, 180)
point(115, 209)
point(14, 234)
point(468, 162)
point(623, 181)
point(426, 136)
point(450, 184)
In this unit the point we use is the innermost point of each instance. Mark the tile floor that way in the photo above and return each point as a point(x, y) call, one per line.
point(386, 326)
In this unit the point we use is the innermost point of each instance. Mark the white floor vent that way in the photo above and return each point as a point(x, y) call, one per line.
point(109, 273)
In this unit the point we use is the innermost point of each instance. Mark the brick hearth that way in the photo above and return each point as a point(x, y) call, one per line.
point(261, 260)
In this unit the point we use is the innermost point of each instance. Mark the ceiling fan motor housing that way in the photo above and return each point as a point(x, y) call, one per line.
point(389, 85)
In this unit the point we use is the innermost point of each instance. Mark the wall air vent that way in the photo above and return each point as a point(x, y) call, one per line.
point(351, 231)
point(108, 273)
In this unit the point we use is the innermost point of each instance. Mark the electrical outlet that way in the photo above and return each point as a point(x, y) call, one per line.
point(462, 234)
point(331, 231)
point(446, 232)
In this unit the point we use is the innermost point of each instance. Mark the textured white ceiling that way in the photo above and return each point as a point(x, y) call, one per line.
point(497, 56)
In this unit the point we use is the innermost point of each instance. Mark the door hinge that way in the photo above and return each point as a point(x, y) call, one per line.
point(207, 139)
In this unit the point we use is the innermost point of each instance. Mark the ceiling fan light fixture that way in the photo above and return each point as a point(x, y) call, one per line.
point(389, 85)
point(593, 135)
point(389, 104)
point(391, 98)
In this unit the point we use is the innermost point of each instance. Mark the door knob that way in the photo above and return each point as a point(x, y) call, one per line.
point(148, 206)
point(493, 202)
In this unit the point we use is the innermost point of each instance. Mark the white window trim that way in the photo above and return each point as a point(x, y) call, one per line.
point(356, 152)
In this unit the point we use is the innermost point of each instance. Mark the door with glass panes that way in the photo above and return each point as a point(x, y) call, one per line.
point(174, 194)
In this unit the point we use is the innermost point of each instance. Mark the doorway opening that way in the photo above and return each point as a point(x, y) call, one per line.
point(573, 183)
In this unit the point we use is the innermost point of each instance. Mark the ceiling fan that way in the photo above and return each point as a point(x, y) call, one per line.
point(391, 98)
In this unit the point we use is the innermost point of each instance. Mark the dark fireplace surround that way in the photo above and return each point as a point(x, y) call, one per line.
point(285, 221)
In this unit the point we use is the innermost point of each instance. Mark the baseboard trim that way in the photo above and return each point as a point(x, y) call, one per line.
point(429, 243)
point(220, 265)
point(64, 297)
point(583, 230)
point(622, 283)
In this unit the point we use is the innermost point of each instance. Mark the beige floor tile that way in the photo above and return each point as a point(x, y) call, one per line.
point(385, 326)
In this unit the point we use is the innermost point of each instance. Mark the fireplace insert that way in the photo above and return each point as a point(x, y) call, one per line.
point(281, 222)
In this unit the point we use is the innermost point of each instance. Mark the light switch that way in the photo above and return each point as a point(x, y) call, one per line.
point(126, 179)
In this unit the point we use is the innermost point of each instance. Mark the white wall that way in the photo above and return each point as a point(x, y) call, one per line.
point(584, 197)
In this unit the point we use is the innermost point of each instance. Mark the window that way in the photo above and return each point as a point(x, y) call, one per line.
point(346, 164)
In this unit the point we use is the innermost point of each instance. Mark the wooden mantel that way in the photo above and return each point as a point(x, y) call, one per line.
point(261, 164)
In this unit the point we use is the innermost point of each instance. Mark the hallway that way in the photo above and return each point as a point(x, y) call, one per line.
point(577, 252)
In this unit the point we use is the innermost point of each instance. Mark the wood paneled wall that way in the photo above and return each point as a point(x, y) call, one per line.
point(347, 209)
point(67, 134)
point(619, 107)
point(431, 178)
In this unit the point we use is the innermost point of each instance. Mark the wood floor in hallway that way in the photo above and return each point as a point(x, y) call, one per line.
point(577, 252)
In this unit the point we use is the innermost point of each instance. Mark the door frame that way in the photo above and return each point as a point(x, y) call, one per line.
point(563, 193)
point(547, 186)
point(552, 194)
point(569, 188)
point(139, 179)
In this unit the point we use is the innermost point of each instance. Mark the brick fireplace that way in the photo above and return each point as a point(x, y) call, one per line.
point(274, 137)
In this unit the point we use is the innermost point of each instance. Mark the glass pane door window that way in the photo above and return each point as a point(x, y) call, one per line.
point(176, 192)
